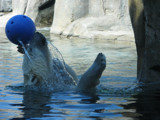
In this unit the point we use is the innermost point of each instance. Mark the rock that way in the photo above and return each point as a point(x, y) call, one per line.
point(41, 17)
point(38, 15)
point(81, 18)
point(92, 19)
point(19, 6)
point(145, 20)
point(4, 18)
point(67, 11)
point(152, 40)
point(5, 5)
point(137, 17)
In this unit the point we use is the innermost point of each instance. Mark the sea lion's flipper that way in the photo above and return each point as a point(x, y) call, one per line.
point(90, 79)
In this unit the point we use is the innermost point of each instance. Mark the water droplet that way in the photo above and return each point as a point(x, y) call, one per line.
point(25, 51)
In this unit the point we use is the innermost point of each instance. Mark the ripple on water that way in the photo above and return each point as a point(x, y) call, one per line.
point(112, 94)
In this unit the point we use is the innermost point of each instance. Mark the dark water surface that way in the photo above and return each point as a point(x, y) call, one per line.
point(116, 98)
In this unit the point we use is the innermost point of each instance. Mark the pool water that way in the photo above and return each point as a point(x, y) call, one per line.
point(117, 95)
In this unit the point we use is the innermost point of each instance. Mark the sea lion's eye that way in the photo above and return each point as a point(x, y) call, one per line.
point(43, 41)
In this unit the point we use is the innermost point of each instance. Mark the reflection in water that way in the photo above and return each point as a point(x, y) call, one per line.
point(147, 105)
point(38, 105)
point(35, 105)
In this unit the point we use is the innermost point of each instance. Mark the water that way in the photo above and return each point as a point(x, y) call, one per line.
point(55, 53)
point(116, 98)
point(25, 51)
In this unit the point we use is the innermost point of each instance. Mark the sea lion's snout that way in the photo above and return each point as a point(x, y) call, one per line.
point(38, 40)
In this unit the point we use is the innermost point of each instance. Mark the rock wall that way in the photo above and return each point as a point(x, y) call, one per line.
point(92, 19)
point(145, 20)
point(5, 5)
point(136, 10)
point(35, 9)
point(104, 19)
point(152, 40)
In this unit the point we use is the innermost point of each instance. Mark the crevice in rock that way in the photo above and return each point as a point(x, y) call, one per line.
point(45, 14)
point(25, 8)
point(103, 6)
point(47, 4)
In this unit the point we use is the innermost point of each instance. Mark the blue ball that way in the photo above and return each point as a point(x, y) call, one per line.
point(20, 28)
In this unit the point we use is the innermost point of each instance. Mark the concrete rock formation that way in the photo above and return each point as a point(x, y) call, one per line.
point(5, 5)
point(145, 20)
point(35, 9)
point(137, 17)
point(82, 18)
point(92, 19)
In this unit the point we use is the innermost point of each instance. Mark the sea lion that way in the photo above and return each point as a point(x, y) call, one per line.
point(43, 72)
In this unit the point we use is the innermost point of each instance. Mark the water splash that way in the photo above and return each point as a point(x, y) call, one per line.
point(62, 79)
point(25, 50)
point(56, 54)
point(59, 66)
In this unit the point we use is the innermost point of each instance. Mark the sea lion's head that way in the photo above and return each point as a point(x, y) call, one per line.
point(37, 64)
